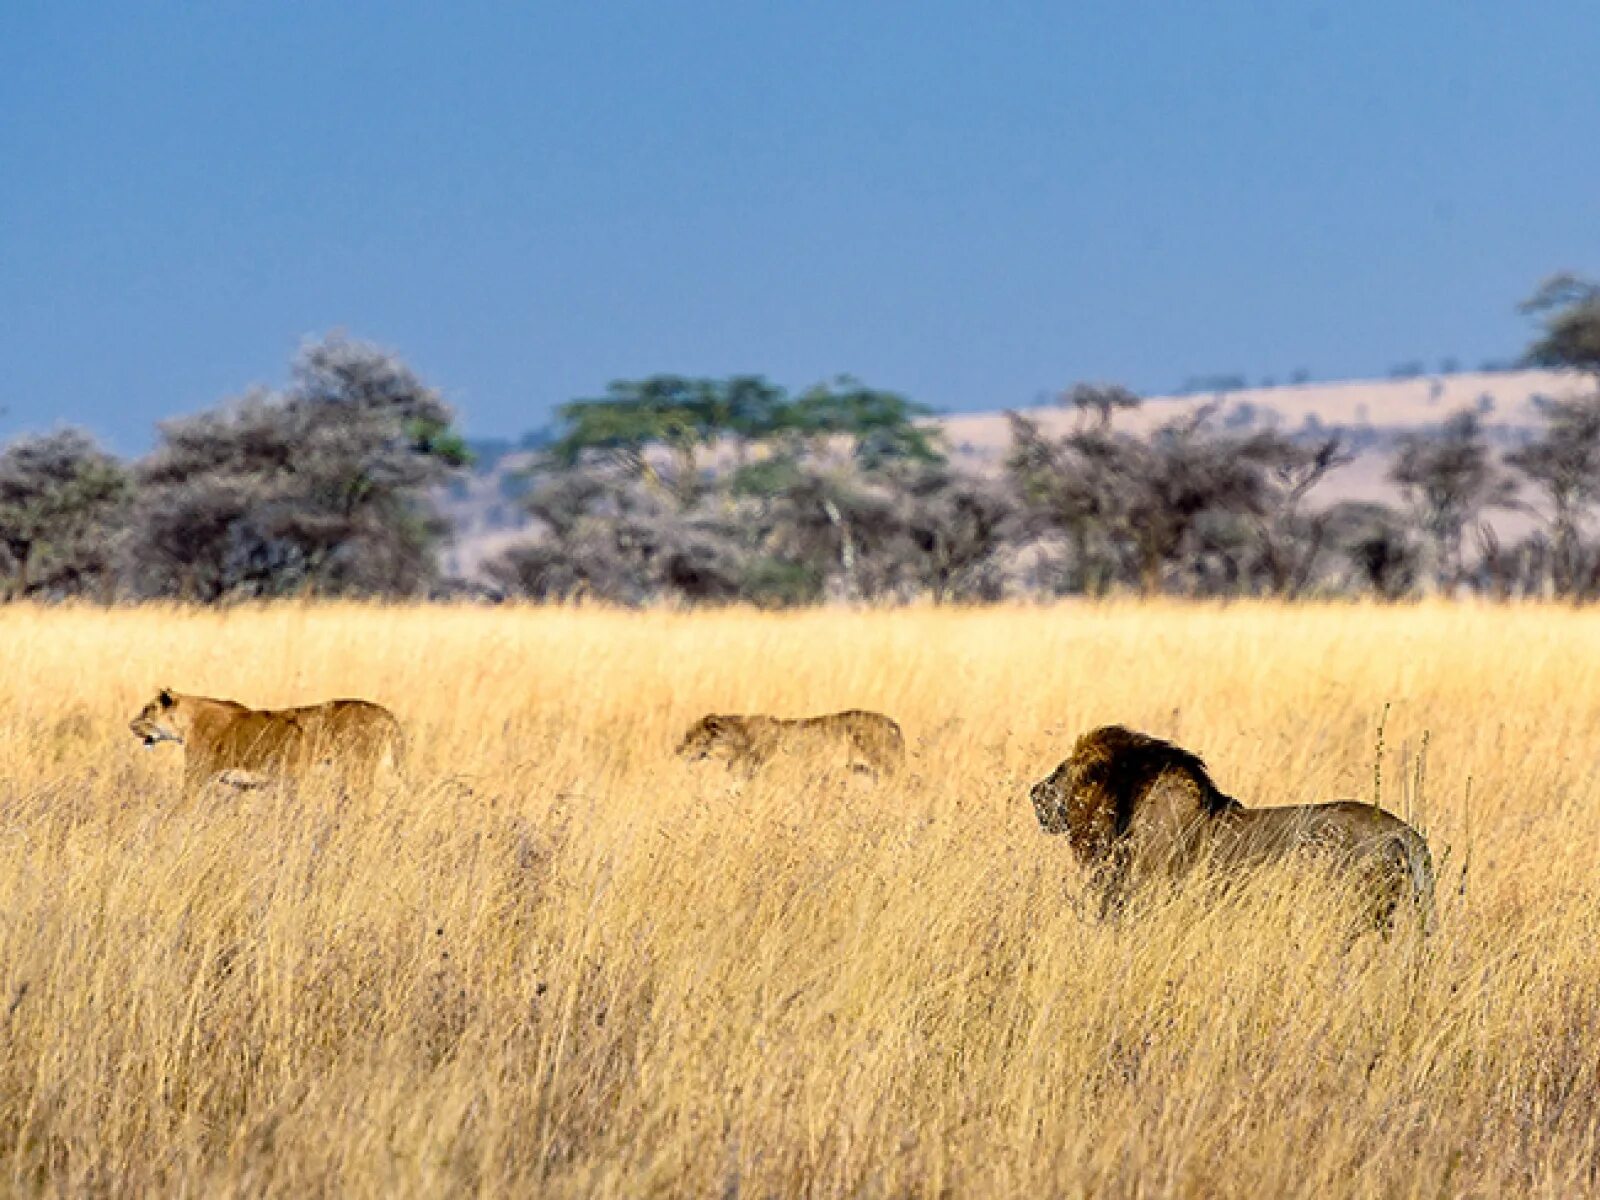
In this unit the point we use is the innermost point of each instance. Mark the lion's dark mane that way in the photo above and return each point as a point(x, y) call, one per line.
point(1116, 766)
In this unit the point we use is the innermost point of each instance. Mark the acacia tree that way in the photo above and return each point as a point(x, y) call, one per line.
point(1099, 402)
point(877, 427)
point(682, 415)
point(810, 508)
point(1569, 308)
point(828, 491)
point(62, 502)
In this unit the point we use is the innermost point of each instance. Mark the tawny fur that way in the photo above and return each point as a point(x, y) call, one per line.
point(1136, 809)
point(353, 740)
point(857, 740)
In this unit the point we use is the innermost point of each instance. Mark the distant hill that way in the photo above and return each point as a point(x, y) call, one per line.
point(1371, 413)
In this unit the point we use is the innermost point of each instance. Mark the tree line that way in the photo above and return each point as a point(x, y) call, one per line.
point(708, 491)
point(321, 488)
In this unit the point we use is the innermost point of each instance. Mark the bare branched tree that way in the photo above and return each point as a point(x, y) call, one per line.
point(1450, 477)
point(1290, 535)
point(1183, 473)
point(1077, 487)
point(955, 527)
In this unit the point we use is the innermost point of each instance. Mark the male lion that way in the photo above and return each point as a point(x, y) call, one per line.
point(857, 740)
point(1135, 808)
point(221, 738)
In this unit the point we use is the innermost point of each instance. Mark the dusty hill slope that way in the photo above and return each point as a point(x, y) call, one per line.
point(1374, 411)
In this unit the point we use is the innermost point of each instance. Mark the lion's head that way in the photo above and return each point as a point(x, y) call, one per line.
point(157, 721)
point(713, 737)
point(1093, 795)
point(1049, 798)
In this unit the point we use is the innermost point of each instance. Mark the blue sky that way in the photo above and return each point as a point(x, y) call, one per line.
point(972, 203)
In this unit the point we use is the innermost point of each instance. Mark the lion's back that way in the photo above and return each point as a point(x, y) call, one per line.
point(1350, 825)
point(354, 731)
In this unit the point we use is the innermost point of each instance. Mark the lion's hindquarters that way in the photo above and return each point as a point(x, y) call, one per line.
point(877, 741)
point(1419, 867)
point(358, 741)
point(1389, 859)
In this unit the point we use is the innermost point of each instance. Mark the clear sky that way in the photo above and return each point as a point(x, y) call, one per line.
point(972, 203)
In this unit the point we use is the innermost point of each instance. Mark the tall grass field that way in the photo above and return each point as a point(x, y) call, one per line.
point(557, 961)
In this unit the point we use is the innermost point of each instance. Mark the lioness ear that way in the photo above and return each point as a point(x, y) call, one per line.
point(166, 698)
point(712, 724)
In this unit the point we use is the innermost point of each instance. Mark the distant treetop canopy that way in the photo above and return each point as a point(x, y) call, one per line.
point(683, 415)
point(689, 490)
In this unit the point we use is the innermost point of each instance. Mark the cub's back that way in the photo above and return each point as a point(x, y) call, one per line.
point(872, 737)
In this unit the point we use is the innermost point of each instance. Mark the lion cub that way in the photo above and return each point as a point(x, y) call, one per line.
point(857, 740)
point(353, 738)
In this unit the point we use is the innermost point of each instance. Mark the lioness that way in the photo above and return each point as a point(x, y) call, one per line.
point(354, 738)
point(857, 740)
point(1135, 808)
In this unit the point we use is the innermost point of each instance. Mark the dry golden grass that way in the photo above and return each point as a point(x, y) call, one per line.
point(559, 962)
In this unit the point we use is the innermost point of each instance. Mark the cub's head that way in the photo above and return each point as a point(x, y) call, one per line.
point(712, 737)
point(158, 721)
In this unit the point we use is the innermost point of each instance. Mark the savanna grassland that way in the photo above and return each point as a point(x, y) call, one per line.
point(559, 962)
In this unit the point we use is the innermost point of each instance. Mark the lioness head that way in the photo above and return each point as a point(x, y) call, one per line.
point(157, 722)
point(711, 737)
